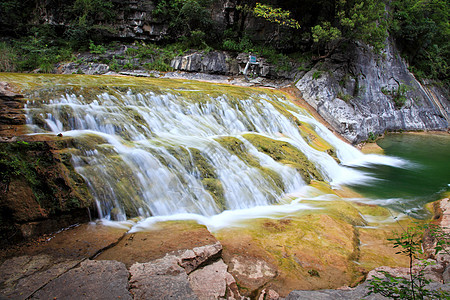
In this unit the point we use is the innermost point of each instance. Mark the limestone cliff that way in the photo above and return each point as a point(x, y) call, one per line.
point(361, 93)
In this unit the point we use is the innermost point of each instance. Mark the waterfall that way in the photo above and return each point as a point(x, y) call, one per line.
point(152, 152)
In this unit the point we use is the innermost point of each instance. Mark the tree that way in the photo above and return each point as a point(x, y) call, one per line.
point(363, 20)
point(422, 31)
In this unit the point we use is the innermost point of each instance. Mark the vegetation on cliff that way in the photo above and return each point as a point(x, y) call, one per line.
point(275, 29)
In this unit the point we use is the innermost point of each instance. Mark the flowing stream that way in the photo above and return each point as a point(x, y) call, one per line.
point(166, 149)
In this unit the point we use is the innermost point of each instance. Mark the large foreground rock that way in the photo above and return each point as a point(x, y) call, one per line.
point(160, 279)
point(199, 273)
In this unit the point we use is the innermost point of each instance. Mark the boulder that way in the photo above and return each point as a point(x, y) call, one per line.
point(214, 62)
point(213, 282)
point(358, 293)
point(160, 279)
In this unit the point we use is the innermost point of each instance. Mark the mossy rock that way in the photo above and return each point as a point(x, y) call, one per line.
point(215, 188)
point(287, 154)
point(237, 147)
point(203, 166)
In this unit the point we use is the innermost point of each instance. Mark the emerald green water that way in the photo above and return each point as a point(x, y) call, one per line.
point(426, 178)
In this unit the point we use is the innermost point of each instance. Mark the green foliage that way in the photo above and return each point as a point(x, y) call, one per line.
point(184, 17)
point(243, 45)
point(409, 243)
point(8, 57)
point(372, 137)
point(422, 30)
point(398, 95)
point(325, 33)
point(160, 57)
point(88, 10)
point(362, 20)
point(316, 75)
point(96, 49)
point(114, 65)
point(343, 96)
point(275, 15)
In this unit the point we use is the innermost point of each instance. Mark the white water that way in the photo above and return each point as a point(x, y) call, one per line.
point(144, 163)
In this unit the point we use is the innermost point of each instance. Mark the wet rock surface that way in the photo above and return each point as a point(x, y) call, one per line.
point(435, 270)
point(12, 119)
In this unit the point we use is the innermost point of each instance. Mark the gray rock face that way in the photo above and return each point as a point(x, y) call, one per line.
point(215, 62)
point(356, 92)
point(160, 279)
point(192, 259)
point(88, 69)
point(213, 281)
point(225, 63)
point(199, 273)
point(92, 280)
point(21, 276)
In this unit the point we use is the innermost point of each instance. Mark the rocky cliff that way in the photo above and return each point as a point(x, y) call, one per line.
point(40, 191)
point(362, 94)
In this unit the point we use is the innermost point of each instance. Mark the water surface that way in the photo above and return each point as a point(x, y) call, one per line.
point(426, 179)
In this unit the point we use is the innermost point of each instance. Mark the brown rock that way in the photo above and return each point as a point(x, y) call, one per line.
point(269, 295)
point(21, 202)
point(92, 280)
point(7, 91)
point(396, 272)
point(164, 238)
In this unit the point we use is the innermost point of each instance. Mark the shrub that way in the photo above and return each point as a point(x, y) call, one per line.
point(409, 243)
point(96, 49)
point(8, 58)
point(316, 75)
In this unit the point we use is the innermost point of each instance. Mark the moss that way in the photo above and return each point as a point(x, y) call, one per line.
point(88, 141)
point(237, 147)
point(287, 154)
point(283, 110)
point(202, 165)
point(55, 184)
point(215, 188)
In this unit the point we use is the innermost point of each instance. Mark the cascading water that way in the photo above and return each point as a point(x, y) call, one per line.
point(143, 151)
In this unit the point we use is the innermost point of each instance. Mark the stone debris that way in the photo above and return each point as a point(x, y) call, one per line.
point(192, 259)
point(199, 273)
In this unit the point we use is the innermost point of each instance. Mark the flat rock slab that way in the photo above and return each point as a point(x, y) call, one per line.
point(83, 241)
point(22, 276)
point(153, 244)
point(92, 280)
